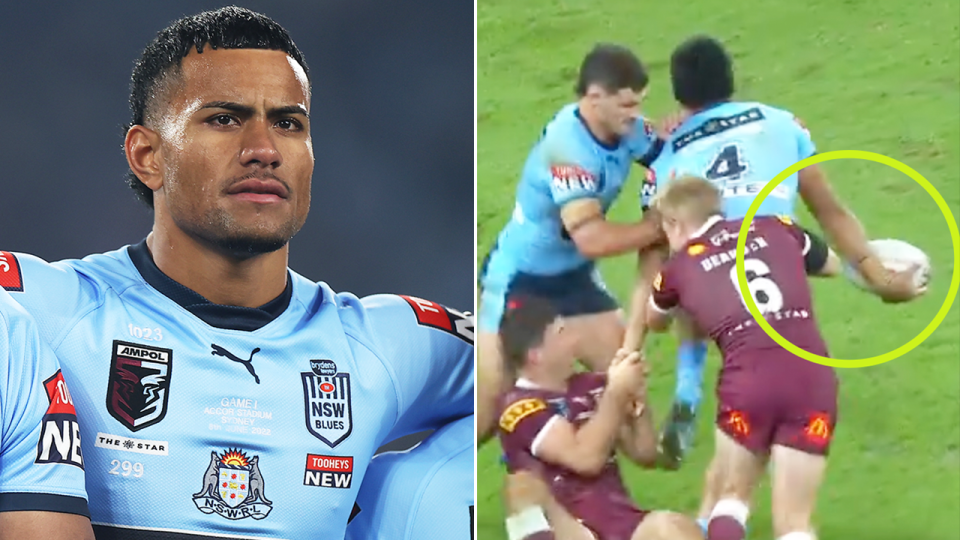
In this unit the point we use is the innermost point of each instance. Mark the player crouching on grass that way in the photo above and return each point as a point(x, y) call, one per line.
point(559, 430)
point(771, 403)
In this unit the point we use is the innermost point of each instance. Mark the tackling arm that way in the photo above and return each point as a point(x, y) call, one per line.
point(585, 450)
point(649, 263)
point(638, 435)
point(595, 237)
point(848, 234)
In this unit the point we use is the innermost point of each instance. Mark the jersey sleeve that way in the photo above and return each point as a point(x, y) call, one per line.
point(645, 145)
point(805, 145)
point(429, 350)
point(815, 251)
point(573, 168)
point(54, 294)
point(666, 295)
point(422, 493)
point(41, 466)
point(524, 422)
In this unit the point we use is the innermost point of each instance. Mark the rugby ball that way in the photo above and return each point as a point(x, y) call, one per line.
point(896, 255)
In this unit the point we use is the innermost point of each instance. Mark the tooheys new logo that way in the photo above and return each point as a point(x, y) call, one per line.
point(59, 431)
point(440, 317)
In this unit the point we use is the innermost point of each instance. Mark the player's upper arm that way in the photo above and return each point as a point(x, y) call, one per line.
point(816, 253)
point(44, 526)
point(817, 194)
point(42, 465)
point(429, 349)
point(663, 300)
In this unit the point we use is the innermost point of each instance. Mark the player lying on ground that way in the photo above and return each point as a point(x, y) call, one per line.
point(739, 147)
point(204, 368)
point(42, 494)
point(771, 403)
point(558, 227)
point(565, 427)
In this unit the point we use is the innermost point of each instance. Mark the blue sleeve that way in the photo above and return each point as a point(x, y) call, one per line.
point(429, 350)
point(805, 145)
point(425, 493)
point(644, 143)
point(41, 465)
point(573, 167)
point(53, 294)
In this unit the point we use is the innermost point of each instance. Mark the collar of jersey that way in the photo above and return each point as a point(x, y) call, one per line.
point(711, 221)
point(216, 315)
point(695, 118)
point(605, 146)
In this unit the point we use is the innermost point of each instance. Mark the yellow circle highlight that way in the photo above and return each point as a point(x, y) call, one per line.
point(834, 362)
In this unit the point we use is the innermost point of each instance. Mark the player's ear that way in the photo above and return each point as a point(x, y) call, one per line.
point(142, 147)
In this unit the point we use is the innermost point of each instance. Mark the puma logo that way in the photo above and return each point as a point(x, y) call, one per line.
point(248, 363)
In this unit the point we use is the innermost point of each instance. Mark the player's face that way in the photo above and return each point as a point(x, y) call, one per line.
point(675, 232)
point(556, 351)
point(237, 156)
point(620, 110)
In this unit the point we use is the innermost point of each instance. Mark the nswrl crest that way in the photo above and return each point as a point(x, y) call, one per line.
point(233, 487)
point(326, 396)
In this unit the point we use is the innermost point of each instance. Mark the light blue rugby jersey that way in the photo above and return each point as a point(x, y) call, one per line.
point(739, 146)
point(421, 494)
point(41, 460)
point(205, 421)
point(566, 164)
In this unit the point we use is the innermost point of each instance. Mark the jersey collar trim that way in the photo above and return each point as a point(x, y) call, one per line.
point(583, 122)
point(216, 315)
point(713, 220)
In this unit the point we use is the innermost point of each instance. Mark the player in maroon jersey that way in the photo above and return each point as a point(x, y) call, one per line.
point(771, 403)
point(561, 428)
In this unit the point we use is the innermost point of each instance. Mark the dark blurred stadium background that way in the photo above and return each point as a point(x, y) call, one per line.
point(392, 115)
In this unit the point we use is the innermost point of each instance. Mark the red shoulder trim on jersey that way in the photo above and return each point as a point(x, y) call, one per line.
point(11, 278)
point(437, 316)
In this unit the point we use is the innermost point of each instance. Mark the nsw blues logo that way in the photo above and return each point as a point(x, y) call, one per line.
point(326, 397)
point(233, 487)
point(139, 385)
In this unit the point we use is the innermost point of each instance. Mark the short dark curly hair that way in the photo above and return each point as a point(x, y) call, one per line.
point(226, 28)
point(701, 72)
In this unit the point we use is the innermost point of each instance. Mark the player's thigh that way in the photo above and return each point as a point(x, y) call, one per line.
point(664, 525)
point(599, 335)
point(797, 477)
point(523, 490)
point(738, 469)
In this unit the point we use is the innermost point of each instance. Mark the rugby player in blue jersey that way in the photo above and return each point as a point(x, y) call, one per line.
point(221, 394)
point(558, 227)
point(42, 494)
point(739, 147)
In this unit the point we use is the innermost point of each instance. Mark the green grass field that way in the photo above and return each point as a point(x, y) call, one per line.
point(874, 75)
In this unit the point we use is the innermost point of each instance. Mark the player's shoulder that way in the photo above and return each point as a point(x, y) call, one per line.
point(380, 317)
point(520, 403)
point(565, 122)
point(25, 273)
point(587, 381)
point(773, 112)
point(566, 141)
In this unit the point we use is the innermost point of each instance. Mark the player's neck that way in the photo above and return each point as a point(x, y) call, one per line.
point(545, 378)
point(690, 111)
point(219, 277)
point(594, 126)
